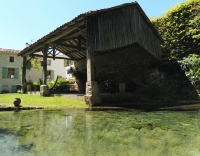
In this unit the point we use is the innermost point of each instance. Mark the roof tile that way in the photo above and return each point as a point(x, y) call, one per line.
point(9, 50)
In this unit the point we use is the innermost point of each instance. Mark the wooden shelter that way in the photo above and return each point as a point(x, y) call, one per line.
point(96, 33)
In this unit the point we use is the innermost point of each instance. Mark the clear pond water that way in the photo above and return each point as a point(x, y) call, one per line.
point(77, 132)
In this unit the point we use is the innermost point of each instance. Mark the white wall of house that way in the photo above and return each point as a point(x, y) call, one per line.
point(33, 75)
point(54, 67)
point(10, 63)
point(8, 67)
point(57, 67)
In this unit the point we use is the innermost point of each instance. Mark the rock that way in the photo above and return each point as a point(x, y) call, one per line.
point(17, 102)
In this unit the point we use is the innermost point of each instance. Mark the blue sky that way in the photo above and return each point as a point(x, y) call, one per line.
point(24, 21)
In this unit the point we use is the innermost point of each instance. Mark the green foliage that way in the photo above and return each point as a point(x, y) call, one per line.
point(36, 82)
point(19, 91)
point(35, 63)
point(180, 30)
point(62, 85)
point(193, 62)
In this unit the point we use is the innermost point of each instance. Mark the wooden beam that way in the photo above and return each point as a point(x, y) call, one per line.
point(74, 39)
point(69, 46)
point(61, 34)
point(71, 42)
point(79, 43)
point(54, 52)
point(66, 53)
point(83, 31)
point(71, 36)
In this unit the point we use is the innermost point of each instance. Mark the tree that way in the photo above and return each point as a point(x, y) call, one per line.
point(180, 30)
point(27, 65)
point(192, 63)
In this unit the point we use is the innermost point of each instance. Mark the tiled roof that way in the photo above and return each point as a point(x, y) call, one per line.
point(58, 56)
point(9, 50)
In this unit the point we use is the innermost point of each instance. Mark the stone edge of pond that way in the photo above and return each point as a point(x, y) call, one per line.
point(10, 108)
point(151, 106)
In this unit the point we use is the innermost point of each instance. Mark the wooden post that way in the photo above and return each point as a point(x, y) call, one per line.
point(54, 52)
point(92, 96)
point(45, 51)
point(90, 66)
point(24, 74)
point(44, 90)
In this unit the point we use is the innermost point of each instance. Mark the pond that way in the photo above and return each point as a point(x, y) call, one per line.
point(78, 132)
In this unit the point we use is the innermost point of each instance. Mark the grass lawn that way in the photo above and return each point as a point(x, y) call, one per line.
point(35, 100)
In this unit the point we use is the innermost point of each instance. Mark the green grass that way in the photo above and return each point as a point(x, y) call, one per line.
point(36, 100)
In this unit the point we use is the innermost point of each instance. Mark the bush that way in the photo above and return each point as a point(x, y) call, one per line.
point(19, 91)
point(62, 85)
point(4, 91)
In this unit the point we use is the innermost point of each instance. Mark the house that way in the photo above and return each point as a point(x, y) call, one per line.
point(11, 64)
point(55, 67)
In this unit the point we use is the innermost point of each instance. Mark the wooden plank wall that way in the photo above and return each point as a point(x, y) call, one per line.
point(121, 27)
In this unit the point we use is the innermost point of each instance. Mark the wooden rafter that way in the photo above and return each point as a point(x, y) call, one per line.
point(74, 39)
point(62, 33)
point(70, 46)
point(83, 31)
point(74, 35)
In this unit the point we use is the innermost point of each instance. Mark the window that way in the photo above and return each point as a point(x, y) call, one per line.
point(68, 62)
point(50, 74)
point(48, 62)
point(11, 59)
point(10, 73)
point(5, 89)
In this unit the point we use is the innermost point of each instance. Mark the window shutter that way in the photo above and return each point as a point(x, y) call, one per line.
point(16, 73)
point(4, 72)
point(52, 74)
point(14, 89)
point(65, 62)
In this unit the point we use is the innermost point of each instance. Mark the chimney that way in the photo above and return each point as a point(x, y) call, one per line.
point(27, 44)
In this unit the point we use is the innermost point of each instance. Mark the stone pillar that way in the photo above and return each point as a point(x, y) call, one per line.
point(44, 90)
point(92, 96)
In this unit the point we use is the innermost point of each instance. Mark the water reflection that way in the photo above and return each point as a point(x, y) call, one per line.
point(79, 132)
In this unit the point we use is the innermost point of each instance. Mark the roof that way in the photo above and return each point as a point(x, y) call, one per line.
point(9, 51)
point(57, 56)
point(75, 28)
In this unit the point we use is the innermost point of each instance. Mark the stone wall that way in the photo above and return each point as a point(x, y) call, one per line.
point(144, 76)
point(169, 80)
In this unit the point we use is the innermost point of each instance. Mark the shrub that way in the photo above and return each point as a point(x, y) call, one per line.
point(19, 91)
point(62, 85)
point(4, 91)
point(36, 82)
